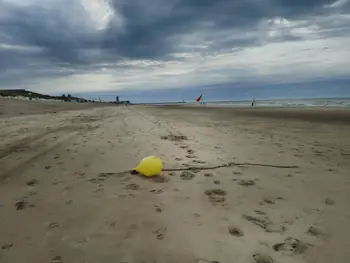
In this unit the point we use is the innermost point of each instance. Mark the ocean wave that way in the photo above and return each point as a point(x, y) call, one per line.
point(343, 102)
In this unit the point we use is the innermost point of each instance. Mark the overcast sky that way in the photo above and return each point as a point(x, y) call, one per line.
point(54, 46)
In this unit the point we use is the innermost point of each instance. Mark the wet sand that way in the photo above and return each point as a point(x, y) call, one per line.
point(248, 186)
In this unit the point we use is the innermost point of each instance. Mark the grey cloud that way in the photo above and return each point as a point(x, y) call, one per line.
point(152, 30)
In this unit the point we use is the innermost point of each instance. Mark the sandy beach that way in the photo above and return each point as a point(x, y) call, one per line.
point(240, 185)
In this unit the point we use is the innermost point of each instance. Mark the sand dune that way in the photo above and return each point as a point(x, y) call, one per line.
point(237, 187)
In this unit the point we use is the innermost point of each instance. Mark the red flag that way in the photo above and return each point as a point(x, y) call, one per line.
point(199, 98)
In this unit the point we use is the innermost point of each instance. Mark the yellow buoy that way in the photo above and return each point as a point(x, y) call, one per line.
point(150, 166)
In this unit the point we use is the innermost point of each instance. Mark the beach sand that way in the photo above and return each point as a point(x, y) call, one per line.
point(10, 107)
point(272, 185)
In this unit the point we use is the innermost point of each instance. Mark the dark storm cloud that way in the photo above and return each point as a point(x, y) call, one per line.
point(153, 27)
point(48, 29)
point(152, 30)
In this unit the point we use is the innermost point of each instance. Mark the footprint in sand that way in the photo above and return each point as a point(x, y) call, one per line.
point(131, 231)
point(246, 182)
point(216, 195)
point(216, 191)
point(264, 222)
point(156, 191)
point(113, 224)
point(32, 193)
point(262, 258)
point(189, 156)
point(158, 208)
point(187, 175)
point(315, 231)
point(96, 180)
point(216, 182)
point(197, 219)
point(190, 151)
point(160, 179)
point(175, 138)
point(268, 200)
point(291, 244)
point(22, 204)
point(198, 161)
point(196, 215)
point(160, 233)
point(7, 246)
point(259, 212)
point(202, 260)
point(57, 259)
point(32, 182)
point(132, 187)
point(235, 231)
point(329, 201)
point(208, 174)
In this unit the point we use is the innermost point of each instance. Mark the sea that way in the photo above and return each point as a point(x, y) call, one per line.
point(317, 102)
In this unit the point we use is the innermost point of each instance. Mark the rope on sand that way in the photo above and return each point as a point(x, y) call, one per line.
point(201, 168)
point(231, 164)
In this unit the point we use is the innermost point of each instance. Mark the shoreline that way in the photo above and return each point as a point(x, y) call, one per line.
point(335, 115)
point(311, 114)
point(336, 102)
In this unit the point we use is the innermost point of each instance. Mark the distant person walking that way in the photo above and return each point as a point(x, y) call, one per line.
point(253, 102)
